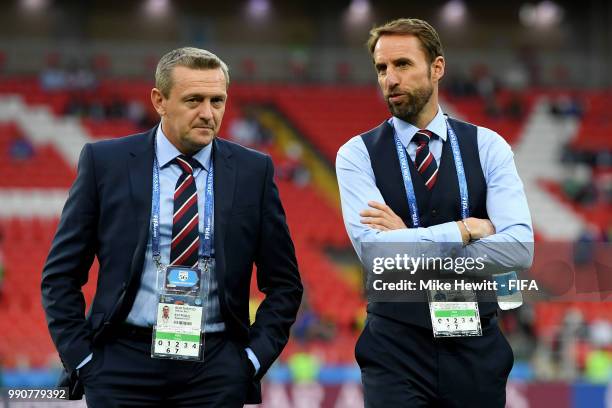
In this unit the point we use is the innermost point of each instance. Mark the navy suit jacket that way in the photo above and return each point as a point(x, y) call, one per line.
point(107, 215)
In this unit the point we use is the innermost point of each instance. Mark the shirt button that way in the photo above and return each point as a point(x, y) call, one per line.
point(434, 213)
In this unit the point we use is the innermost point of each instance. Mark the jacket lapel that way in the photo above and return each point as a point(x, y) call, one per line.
point(140, 174)
point(224, 186)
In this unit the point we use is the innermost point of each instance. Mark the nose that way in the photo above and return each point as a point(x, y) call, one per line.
point(205, 112)
point(391, 79)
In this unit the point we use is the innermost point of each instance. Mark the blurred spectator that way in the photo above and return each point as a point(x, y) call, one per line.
point(600, 333)
point(298, 63)
point(78, 105)
point(304, 323)
point(244, 130)
point(460, 85)
point(309, 327)
point(566, 106)
point(485, 83)
point(528, 56)
point(604, 186)
point(95, 109)
point(515, 107)
point(492, 107)
point(515, 77)
point(573, 330)
point(603, 158)
point(20, 149)
point(598, 367)
point(150, 119)
point(584, 248)
point(304, 367)
point(598, 362)
point(136, 112)
point(608, 233)
point(517, 325)
point(293, 167)
point(53, 79)
point(116, 108)
point(80, 77)
point(248, 131)
point(578, 185)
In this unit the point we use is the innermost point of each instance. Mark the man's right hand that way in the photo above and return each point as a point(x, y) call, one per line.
point(479, 228)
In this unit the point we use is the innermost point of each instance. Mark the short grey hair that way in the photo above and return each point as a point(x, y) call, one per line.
point(189, 57)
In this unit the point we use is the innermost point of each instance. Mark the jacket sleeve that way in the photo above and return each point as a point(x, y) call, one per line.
point(67, 267)
point(277, 277)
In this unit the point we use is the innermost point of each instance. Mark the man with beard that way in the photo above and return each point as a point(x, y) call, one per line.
point(402, 362)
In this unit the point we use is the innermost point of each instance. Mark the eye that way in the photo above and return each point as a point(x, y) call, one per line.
point(381, 69)
point(218, 101)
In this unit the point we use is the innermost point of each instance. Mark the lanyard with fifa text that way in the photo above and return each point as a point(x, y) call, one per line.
point(412, 202)
point(207, 237)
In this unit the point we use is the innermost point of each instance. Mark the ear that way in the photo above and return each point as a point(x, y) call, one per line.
point(157, 99)
point(437, 68)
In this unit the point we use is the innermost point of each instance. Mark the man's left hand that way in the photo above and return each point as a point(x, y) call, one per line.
point(381, 217)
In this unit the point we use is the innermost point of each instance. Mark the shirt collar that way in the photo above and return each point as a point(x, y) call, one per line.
point(406, 130)
point(166, 151)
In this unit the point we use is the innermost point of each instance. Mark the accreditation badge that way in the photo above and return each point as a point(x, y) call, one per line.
point(181, 280)
point(177, 334)
point(454, 313)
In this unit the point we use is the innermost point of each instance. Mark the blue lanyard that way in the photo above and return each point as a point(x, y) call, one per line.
point(412, 202)
point(207, 238)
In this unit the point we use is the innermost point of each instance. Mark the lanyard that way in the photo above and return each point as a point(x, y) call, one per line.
point(207, 237)
point(412, 202)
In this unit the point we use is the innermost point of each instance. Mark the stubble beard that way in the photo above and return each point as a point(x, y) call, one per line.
point(412, 108)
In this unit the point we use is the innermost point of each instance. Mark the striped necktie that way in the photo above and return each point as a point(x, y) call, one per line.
point(185, 237)
point(424, 160)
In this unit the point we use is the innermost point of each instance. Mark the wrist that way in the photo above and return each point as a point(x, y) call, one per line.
point(465, 236)
point(468, 230)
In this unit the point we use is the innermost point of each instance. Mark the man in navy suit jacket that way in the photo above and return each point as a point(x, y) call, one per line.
point(108, 215)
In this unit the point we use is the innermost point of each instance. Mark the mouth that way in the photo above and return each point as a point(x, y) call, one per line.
point(395, 97)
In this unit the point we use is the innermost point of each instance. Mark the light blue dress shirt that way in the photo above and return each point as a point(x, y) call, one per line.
point(144, 309)
point(143, 312)
point(506, 202)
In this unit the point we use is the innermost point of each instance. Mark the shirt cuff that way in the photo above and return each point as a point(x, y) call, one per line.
point(85, 361)
point(253, 359)
point(448, 232)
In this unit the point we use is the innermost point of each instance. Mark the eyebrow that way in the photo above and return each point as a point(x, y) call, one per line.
point(402, 59)
point(396, 61)
point(201, 96)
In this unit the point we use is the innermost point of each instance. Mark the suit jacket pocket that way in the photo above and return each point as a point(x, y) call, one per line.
point(92, 368)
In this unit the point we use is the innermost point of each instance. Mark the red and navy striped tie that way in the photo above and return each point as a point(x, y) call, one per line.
point(185, 237)
point(424, 160)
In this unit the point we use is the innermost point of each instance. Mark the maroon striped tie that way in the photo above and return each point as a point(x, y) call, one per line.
point(424, 160)
point(185, 237)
